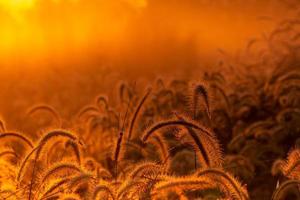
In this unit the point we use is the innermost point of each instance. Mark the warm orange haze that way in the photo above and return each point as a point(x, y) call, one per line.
point(149, 99)
point(39, 33)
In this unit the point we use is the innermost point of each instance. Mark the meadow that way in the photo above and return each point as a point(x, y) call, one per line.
point(226, 132)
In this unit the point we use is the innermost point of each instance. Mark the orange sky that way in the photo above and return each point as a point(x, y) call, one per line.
point(127, 33)
point(53, 51)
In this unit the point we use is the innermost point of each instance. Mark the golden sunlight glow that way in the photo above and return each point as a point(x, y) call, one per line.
point(16, 5)
point(35, 32)
point(137, 3)
point(149, 99)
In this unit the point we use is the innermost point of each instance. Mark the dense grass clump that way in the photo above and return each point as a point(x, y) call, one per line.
point(232, 134)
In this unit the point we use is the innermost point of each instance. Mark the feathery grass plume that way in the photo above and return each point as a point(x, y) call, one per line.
point(237, 142)
point(224, 95)
point(176, 84)
point(58, 184)
point(87, 110)
point(125, 93)
point(112, 115)
point(199, 90)
point(144, 168)
point(57, 133)
point(60, 167)
point(285, 88)
point(90, 164)
point(207, 145)
point(137, 147)
point(288, 99)
point(280, 191)
point(126, 190)
point(199, 151)
point(286, 115)
point(161, 143)
point(277, 167)
point(248, 99)
point(183, 183)
point(45, 179)
point(208, 137)
point(218, 77)
point(53, 134)
point(76, 150)
point(47, 108)
point(41, 144)
point(291, 167)
point(278, 71)
point(81, 179)
point(168, 123)
point(266, 124)
point(289, 76)
point(164, 94)
point(102, 100)
point(10, 193)
point(233, 186)
point(24, 162)
point(136, 112)
point(52, 149)
point(104, 187)
point(18, 136)
point(103, 173)
point(7, 152)
point(91, 125)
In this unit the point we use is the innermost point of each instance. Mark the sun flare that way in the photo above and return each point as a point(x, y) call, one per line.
point(17, 5)
point(15, 9)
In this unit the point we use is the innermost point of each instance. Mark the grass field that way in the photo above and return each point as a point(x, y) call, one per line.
point(153, 118)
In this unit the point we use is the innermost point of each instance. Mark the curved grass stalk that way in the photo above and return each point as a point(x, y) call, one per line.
point(136, 112)
point(169, 123)
point(60, 167)
point(230, 182)
point(18, 136)
point(184, 183)
point(104, 187)
point(41, 144)
point(46, 108)
point(200, 90)
point(278, 192)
